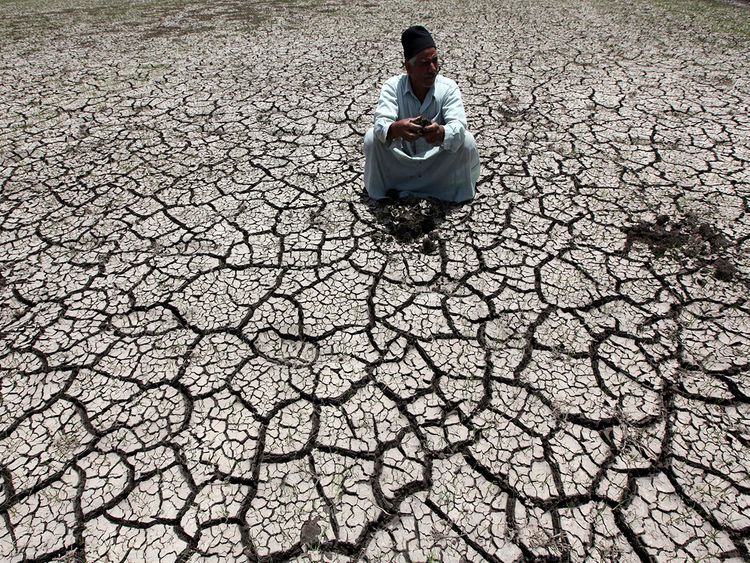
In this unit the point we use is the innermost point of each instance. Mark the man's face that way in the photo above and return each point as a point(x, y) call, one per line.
point(423, 71)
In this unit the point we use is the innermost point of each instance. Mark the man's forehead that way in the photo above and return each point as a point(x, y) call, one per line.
point(427, 54)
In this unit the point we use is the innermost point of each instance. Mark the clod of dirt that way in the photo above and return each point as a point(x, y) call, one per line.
point(310, 531)
point(406, 231)
point(428, 246)
point(724, 270)
point(381, 237)
point(427, 225)
point(714, 237)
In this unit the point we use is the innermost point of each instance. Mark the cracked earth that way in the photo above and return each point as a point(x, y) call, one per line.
point(214, 347)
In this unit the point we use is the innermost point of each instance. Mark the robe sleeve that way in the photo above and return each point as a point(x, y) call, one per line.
point(455, 120)
point(387, 110)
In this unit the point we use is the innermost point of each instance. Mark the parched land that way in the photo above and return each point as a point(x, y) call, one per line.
point(214, 347)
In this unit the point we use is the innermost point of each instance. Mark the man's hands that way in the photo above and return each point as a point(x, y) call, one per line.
point(412, 128)
point(434, 134)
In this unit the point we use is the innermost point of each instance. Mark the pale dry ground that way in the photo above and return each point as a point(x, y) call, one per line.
point(215, 348)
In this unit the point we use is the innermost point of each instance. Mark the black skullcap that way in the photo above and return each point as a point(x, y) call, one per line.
point(415, 40)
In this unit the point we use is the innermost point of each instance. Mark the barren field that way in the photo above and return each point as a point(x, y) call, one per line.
point(214, 347)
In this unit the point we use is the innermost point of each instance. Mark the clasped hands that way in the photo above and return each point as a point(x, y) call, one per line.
point(411, 129)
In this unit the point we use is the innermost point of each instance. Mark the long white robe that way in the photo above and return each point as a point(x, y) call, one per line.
point(448, 172)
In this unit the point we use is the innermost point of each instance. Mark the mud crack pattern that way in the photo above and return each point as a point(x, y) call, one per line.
point(215, 348)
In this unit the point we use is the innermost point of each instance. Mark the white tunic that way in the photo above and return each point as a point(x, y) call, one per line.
point(448, 172)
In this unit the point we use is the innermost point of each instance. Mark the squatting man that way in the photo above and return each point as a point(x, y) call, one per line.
point(419, 145)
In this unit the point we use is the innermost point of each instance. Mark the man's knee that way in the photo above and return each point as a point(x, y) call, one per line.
point(470, 144)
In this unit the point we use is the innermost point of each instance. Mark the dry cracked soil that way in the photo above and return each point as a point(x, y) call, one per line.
point(214, 347)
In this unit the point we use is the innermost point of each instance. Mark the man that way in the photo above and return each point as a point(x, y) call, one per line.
point(419, 145)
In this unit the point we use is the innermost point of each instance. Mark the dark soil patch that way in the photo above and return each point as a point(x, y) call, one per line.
point(429, 246)
point(407, 220)
point(692, 239)
point(724, 270)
